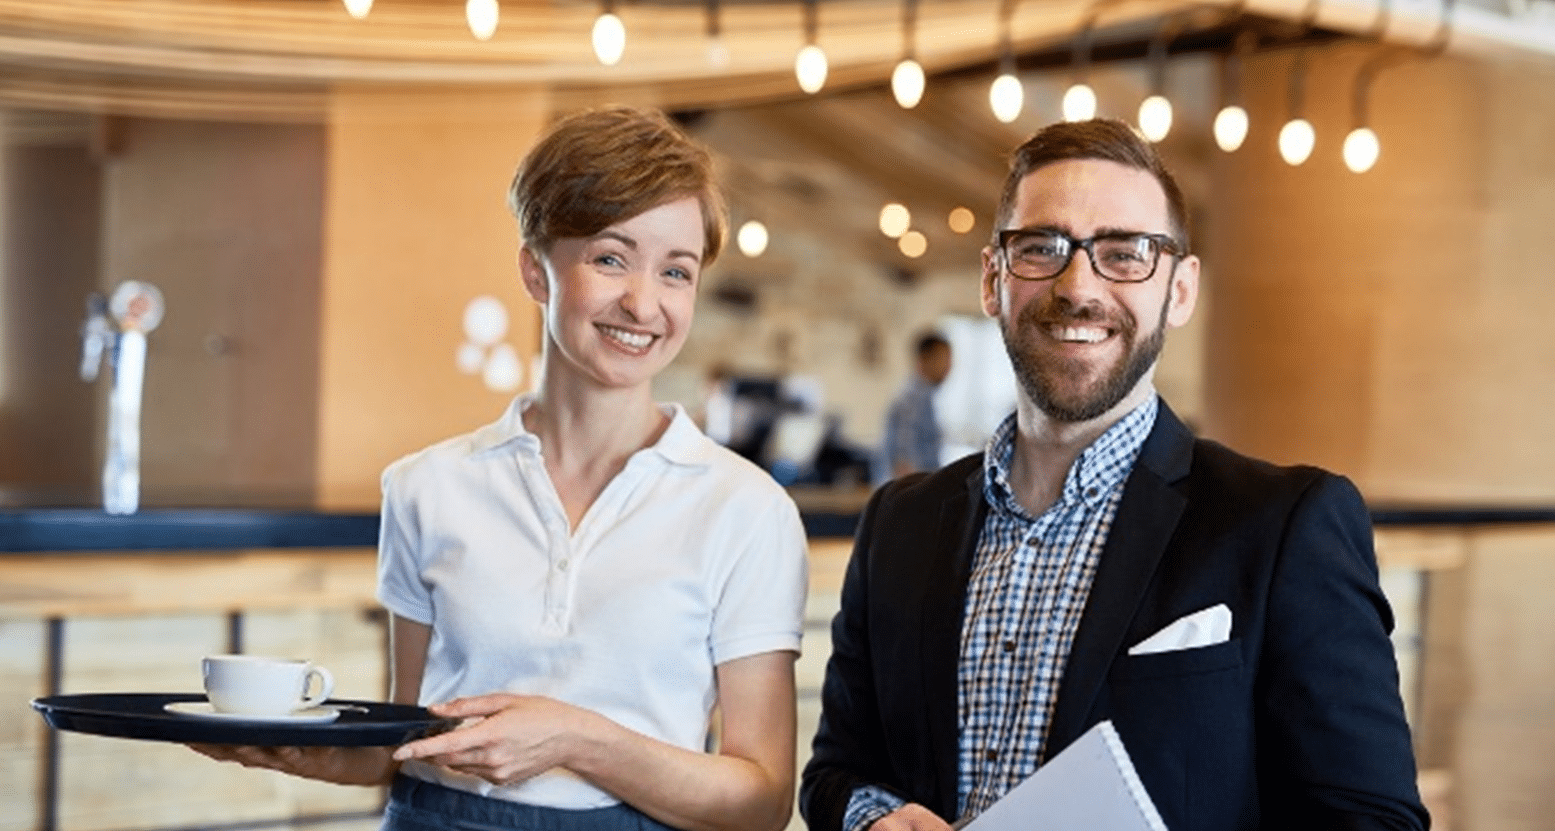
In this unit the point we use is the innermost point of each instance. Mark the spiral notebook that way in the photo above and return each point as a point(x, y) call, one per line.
point(1091, 784)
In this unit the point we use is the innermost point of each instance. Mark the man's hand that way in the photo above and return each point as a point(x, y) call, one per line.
point(910, 817)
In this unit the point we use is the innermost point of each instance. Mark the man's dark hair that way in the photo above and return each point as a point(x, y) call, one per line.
point(930, 341)
point(1104, 139)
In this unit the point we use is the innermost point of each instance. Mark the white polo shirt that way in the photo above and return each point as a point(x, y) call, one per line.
point(692, 556)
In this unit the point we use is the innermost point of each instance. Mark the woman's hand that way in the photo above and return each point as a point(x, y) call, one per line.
point(341, 765)
point(504, 738)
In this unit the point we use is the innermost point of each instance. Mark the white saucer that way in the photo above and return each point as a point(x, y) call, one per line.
point(203, 709)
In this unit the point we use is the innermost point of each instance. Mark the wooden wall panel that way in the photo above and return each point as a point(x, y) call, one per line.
point(416, 226)
point(1390, 324)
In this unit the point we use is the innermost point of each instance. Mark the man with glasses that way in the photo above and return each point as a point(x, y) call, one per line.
point(1099, 563)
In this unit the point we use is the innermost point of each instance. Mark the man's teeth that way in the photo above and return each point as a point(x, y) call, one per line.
point(1079, 334)
point(636, 340)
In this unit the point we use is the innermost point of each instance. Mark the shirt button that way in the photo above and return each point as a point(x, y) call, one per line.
point(1009, 646)
point(1090, 493)
point(991, 755)
point(561, 565)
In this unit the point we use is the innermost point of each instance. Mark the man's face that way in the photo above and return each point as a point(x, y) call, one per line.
point(1083, 346)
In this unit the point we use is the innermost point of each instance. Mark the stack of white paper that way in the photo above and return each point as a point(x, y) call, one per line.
point(1091, 785)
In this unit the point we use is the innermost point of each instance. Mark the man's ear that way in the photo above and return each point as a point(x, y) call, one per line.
point(1184, 292)
point(990, 283)
point(532, 271)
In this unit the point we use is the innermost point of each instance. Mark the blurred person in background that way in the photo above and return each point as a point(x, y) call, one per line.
point(913, 439)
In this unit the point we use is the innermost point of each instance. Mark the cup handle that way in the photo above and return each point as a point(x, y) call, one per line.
point(326, 687)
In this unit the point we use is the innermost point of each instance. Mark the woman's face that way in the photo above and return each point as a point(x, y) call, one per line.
point(619, 304)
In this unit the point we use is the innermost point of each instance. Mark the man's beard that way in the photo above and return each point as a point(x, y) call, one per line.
point(1043, 379)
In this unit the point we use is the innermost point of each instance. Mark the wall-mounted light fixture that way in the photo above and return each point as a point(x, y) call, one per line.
point(907, 80)
point(810, 63)
point(358, 8)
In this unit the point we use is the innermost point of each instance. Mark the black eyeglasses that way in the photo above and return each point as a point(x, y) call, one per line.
point(1121, 258)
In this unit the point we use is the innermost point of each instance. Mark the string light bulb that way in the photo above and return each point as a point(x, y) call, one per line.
point(482, 17)
point(1231, 125)
point(1361, 149)
point(895, 219)
point(1231, 122)
point(907, 80)
point(1155, 117)
point(717, 52)
point(752, 238)
point(1155, 112)
point(810, 63)
point(608, 36)
point(1297, 138)
point(913, 243)
point(359, 8)
point(1006, 96)
point(1079, 102)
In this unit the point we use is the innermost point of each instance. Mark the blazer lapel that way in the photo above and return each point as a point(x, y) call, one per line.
point(943, 604)
point(1146, 518)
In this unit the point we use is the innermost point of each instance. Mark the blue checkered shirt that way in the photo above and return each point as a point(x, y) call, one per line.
point(1030, 580)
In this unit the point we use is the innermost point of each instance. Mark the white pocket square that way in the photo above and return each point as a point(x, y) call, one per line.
point(1206, 627)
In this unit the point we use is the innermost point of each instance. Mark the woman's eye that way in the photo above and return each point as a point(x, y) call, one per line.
point(610, 261)
point(679, 274)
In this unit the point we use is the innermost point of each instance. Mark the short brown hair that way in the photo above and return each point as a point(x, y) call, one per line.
point(1105, 139)
point(598, 167)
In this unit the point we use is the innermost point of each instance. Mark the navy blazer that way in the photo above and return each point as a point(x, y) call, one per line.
point(1295, 722)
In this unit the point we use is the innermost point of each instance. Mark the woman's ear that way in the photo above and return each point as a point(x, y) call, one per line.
point(532, 271)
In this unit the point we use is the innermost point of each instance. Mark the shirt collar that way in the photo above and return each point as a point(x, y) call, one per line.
point(1100, 468)
point(681, 444)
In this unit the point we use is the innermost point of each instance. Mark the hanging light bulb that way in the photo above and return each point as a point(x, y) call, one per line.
point(895, 219)
point(1155, 117)
point(961, 219)
point(717, 52)
point(1230, 127)
point(907, 83)
point(810, 63)
point(609, 36)
point(1155, 112)
point(810, 68)
point(482, 16)
point(907, 80)
point(1361, 149)
point(1006, 96)
point(752, 238)
point(1297, 138)
point(1231, 122)
point(1079, 102)
point(913, 244)
point(358, 8)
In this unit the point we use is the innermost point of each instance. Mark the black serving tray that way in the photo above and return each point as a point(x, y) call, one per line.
point(141, 716)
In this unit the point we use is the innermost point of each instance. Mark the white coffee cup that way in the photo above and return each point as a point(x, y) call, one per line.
point(253, 685)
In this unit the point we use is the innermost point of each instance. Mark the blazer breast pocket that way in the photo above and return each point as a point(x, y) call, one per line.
point(1179, 663)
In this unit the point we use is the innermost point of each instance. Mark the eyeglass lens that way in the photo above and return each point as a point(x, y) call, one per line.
point(1039, 255)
